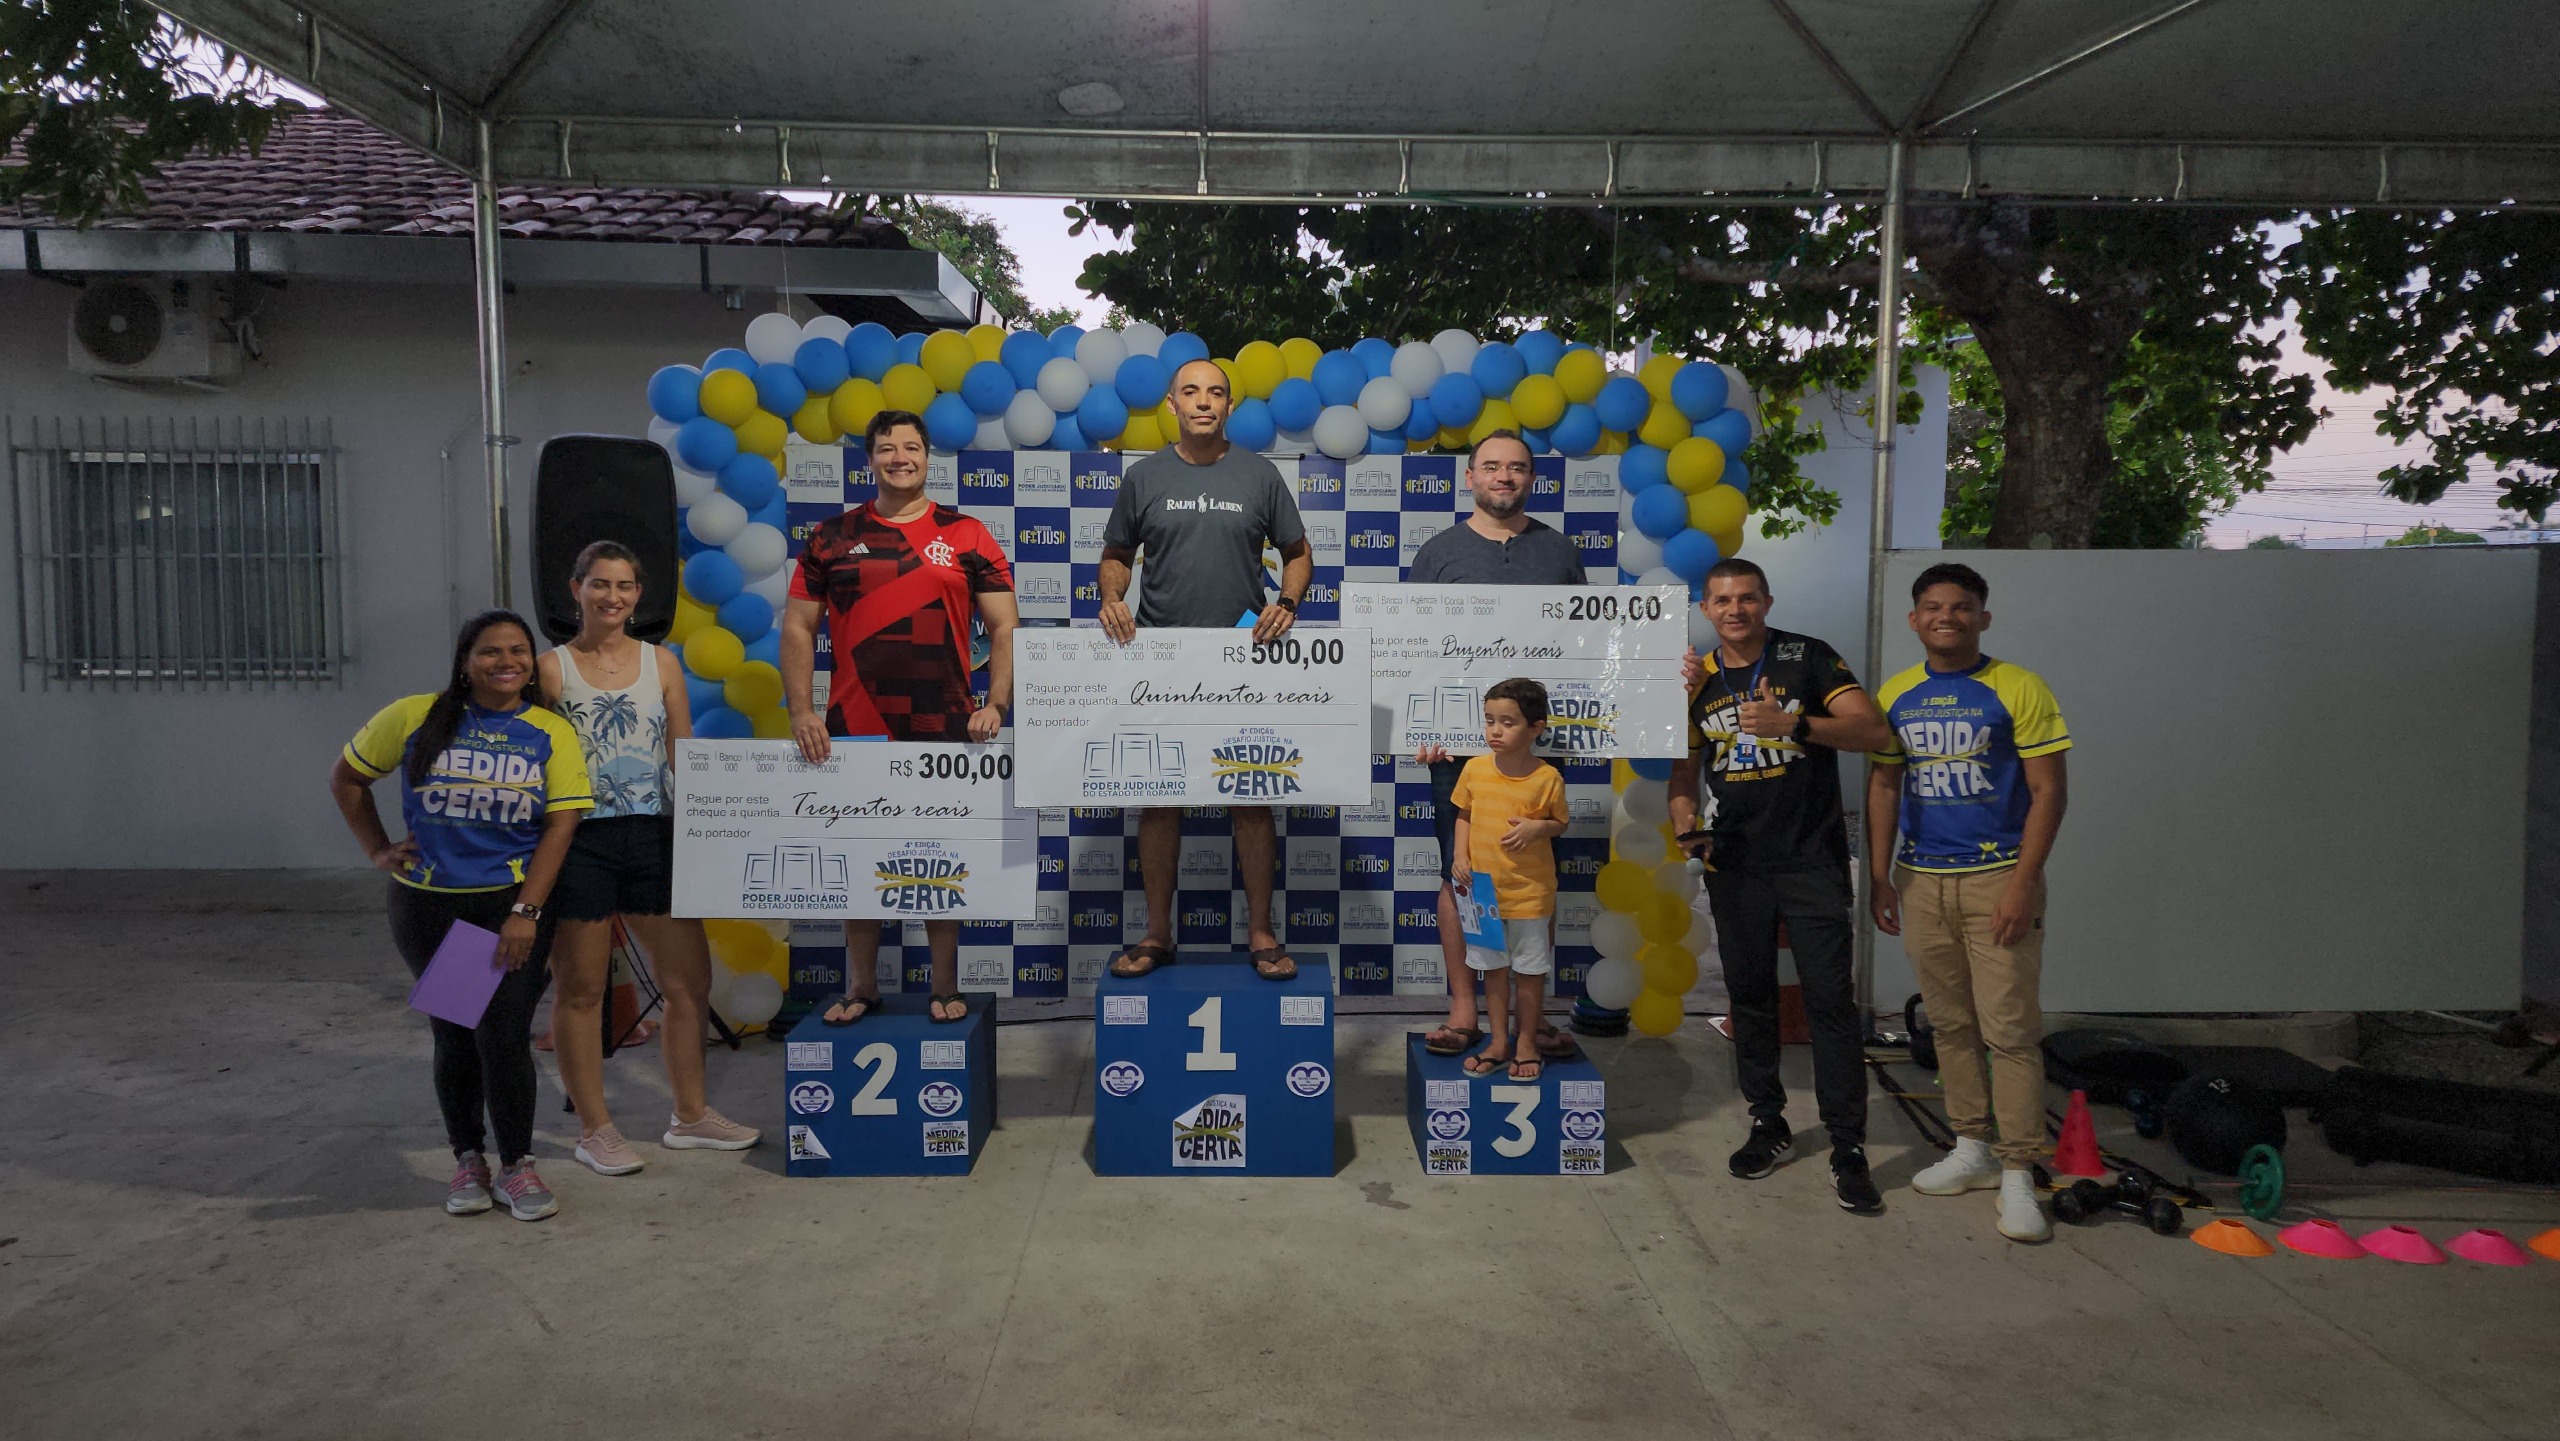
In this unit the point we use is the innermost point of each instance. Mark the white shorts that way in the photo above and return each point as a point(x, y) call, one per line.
point(1527, 948)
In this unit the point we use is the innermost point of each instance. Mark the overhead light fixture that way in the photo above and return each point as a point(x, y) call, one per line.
point(1094, 97)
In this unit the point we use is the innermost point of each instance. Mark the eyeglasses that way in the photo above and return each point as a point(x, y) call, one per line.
point(1502, 467)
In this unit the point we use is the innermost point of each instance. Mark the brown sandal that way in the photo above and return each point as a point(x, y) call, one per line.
point(1273, 963)
point(1141, 958)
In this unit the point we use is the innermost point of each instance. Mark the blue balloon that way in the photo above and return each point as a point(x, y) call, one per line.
point(1643, 467)
point(949, 423)
point(1180, 349)
point(1457, 400)
point(1623, 404)
point(1067, 435)
point(704, 695)
point(1022, 355)
point(712, 577)
point(1536, 440)
point(988, 388)
point(1421, 424)
point(1101, 416)
point(730, 358)
point(1062, 341)
point(911, 348)
point(767, 648)
point(778, 389)
point(1697, 389)
point(722, 724)
point(1578, 433)
point(1142, 381)
point(1376, 356)
point(1687, 554)
point(1338, 378)
point(871, 350)
point(1697, 590)
point(822, 364)
point(1295, 403)
point(746, 615)
point(1540, 350)
point(1730, 430)
point(1661, 511)
point(776, 512)
point(1498, 367)
point(705, 444)
point(1656, 769)
point(1251, 426)
point(675, 393)
point(1386, 442)
point(1737, 475)
point(751, 481)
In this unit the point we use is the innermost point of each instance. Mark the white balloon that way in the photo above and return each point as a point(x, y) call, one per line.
point(1456, 348)
point(1659, 575)
point(1417, 367)
point(722, 980)
point(775, 588)
point(1640, 843)
point(716, 519)
point(1062, 384)
point(1638, 552)
point(826, 327)
point(1702, 631)
point(1672, 878)
point(1340, 432)
point(754, 999)
point(992, 434)
point(1028, 421)
point(773, 337)
point(1702, 932)
point(1614, 933)
point(1384, 405)
point(759, 550)
point(1142, 338)
point(692, 486)
point(662, 433)
point(1613, 983)
point(1100, 353)
point(1737, 393)
point(1644, 803)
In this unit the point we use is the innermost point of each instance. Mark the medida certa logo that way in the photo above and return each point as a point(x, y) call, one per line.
point(921, 878)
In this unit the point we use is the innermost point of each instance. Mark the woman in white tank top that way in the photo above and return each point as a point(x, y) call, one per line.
point(626, 700)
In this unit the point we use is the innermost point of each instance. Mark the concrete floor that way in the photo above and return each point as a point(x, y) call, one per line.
point(220, 1173)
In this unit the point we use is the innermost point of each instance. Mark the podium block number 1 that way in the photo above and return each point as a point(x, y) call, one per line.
point(881, 1059)
point(1209, 1020)
point(1522, 1100)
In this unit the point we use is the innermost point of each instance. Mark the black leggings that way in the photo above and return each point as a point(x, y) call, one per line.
point(492, 1065)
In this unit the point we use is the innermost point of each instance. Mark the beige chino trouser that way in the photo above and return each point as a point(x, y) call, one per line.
point(1981, 996)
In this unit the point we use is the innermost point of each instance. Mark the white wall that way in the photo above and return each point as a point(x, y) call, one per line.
point(2297, 777)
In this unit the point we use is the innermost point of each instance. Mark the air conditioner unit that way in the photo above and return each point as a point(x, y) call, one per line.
point(150, 329)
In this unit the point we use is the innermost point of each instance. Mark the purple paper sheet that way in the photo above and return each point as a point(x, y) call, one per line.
point(461, 978)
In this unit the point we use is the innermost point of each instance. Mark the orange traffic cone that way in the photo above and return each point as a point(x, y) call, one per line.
point(2076, 1154)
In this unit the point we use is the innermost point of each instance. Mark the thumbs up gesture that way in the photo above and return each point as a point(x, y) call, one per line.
point(1763, 715)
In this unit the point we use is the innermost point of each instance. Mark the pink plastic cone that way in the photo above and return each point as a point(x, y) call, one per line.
point(2321, 1238)
point(2488, 1247)
point(2404, 1244)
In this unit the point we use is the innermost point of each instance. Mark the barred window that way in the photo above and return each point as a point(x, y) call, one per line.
point(167, 552)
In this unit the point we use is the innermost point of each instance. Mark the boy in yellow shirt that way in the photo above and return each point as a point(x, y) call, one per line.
point(1511, 807)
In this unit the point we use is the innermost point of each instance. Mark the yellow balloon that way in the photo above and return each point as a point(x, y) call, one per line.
point(1496, 415)
point(853, 405)
point(1654, 1013)
point(1657, 374)
point(714, 653)
point(1168, 424)
point(816, 423)
point(1452, 438)
point(1665, 427)
point(1728, 542)
point(1141, 433)
point(728, 396)
point(1612, 442)
point(763, 433)
point(772, 725)
point(1299, 356)
point(1538, 400)
point(906, 387)
point(740, 945)
point(946, 358)
point(1582, 373)
point(754, 686)
point(1662, 917)
point(691, 615)
point(1695, 464)
point(986, 342)
point(1417, 447)
point(1621, 775)
point(1227, 367)
point(1667, 968)
point(1621, 885)
point(1717, 510)
point(1259, 368)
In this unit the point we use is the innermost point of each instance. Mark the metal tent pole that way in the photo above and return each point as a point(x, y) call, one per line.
point(1888, 393)
point(486, 295)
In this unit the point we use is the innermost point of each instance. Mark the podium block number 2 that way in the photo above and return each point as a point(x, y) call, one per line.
point(881, 1060)
point(1209, 1020)
point(1523, 1132)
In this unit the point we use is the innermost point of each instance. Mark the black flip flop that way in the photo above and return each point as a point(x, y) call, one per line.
point(954, 999)
point(1147, 954)
point(1512, 1071)
point(1474, 1038)
point(869, 1004)
point(1491, 1065)
point(1274, 956)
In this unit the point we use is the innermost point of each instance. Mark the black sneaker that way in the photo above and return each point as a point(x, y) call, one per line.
point(1759, 1155)
point(1849, 1178)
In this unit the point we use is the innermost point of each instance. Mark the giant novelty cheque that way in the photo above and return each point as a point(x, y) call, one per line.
point(1192, 717)
point(888, 829)
point(1609, 657)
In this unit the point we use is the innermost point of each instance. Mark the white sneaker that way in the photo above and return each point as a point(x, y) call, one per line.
point(1969, 1167)
point(2021, 1210)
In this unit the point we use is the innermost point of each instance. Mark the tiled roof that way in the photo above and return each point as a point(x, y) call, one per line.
point(329, 172)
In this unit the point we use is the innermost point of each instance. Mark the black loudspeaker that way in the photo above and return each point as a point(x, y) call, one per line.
point(588, 488)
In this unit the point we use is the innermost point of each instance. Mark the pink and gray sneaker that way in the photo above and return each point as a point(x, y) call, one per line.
point(527, 1198)
point(713, 1132)
point(469, 1193)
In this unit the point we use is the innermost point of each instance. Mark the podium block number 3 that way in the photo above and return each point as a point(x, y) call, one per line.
point(1524, 1132)
point(1210, 1020)
point(881, 1060)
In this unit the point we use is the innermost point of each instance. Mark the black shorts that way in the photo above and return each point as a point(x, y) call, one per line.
point(621, 865)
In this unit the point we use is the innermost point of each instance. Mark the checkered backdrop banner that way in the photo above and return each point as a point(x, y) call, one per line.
point(1359, 884)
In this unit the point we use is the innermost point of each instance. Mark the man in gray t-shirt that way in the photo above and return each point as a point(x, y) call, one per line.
point(1197, 515)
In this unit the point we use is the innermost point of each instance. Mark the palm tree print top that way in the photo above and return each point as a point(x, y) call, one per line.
point(624, 735)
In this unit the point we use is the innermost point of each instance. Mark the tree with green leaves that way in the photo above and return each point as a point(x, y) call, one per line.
point(2436, 535)
point(2271, 542)
point(971, 241)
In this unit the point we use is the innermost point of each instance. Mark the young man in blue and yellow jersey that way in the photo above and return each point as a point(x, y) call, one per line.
point(1963, 808)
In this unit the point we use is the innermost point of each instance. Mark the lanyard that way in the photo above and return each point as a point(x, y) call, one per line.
point(1723, 679)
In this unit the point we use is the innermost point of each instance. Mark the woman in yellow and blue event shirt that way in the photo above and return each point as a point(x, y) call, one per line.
point(491, 788)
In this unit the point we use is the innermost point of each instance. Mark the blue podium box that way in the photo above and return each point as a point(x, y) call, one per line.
point(1557, 1125)
point(1203, 1068)
point(894, 1094)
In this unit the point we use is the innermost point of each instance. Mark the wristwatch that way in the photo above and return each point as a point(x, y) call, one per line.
point(1288, 603)
point(1803, 730)
point(530, 913)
